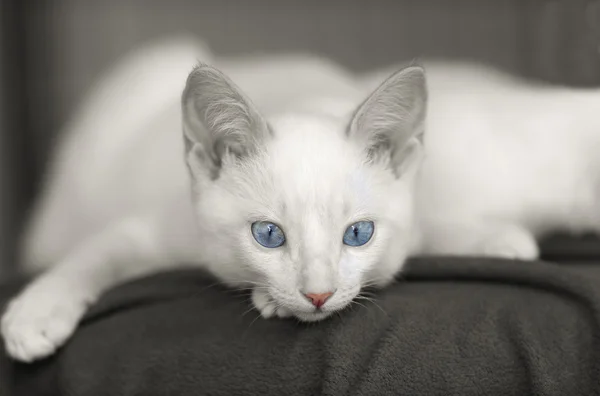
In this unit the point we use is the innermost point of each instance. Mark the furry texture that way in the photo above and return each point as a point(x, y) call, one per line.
point(500, 163)
point(303, 173)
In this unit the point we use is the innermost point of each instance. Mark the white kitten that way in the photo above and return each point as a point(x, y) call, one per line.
point(309, 205)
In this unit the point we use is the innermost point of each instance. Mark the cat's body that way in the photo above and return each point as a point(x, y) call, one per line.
point(505, 153)
point(505, 162)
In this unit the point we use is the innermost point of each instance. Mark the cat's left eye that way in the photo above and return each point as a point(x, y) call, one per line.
point(268, 234)
point(359, 233)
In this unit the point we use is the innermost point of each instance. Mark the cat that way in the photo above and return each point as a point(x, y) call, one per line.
point(307, 197)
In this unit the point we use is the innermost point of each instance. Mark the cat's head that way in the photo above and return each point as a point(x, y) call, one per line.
point(308, 208)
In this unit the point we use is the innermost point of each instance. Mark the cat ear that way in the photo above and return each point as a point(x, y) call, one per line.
point(219, 122)
point(390, 123)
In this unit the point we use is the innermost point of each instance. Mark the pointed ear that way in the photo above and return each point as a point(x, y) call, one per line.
point(219, 122)
point(390, 123)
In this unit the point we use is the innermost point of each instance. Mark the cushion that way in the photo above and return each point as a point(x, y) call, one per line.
point(448, 326)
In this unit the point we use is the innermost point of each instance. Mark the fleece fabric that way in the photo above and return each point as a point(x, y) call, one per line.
point(448, 326)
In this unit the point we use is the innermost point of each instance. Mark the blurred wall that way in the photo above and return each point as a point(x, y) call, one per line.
point(72, 41)
point(16, 176)
point(5, 182)
point(57, 48)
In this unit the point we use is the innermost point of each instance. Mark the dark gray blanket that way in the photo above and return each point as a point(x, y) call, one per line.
point(448, 327)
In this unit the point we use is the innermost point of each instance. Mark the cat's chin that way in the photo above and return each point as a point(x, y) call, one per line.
point(312, 316)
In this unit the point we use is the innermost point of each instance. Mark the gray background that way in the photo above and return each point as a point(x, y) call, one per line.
point(51, 53)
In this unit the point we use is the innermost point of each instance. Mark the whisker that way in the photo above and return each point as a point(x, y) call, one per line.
point(251, 288)
point(367, 293)
point(248, 311)
point(257, 283)
point(383, 278)
point(371, 300)
point(371, 282)
point(339, 314)
point(255, 319)
point(357, 303)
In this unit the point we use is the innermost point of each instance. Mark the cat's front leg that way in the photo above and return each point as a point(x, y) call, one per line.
point(45, 314)
point(268, 307)
point(511, 242)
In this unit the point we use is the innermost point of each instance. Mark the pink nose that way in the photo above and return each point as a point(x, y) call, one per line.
point(318, 299)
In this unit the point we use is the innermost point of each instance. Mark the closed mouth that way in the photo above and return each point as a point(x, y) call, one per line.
point(314, 316)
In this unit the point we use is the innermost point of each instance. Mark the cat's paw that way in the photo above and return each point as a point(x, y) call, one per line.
point(267, 307)
point(511, 243)
point(39, 321)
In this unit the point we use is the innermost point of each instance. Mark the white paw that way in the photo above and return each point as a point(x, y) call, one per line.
point(267, 307)
point(39, 321)
point(512, 244)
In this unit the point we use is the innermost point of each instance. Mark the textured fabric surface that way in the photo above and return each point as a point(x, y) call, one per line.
point(564, 248)
point(447, 327)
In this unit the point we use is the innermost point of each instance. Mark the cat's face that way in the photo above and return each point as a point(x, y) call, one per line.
point(303, 205)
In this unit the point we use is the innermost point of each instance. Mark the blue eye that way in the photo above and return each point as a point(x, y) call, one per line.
point(359, 233)
point(268, 234)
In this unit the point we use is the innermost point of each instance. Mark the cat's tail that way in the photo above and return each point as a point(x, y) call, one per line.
point(123, 99)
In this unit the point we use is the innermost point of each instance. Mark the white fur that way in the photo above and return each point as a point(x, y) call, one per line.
point(504, 163)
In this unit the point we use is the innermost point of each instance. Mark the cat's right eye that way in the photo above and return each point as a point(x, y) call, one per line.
point(268, 234)
point(359, 233)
